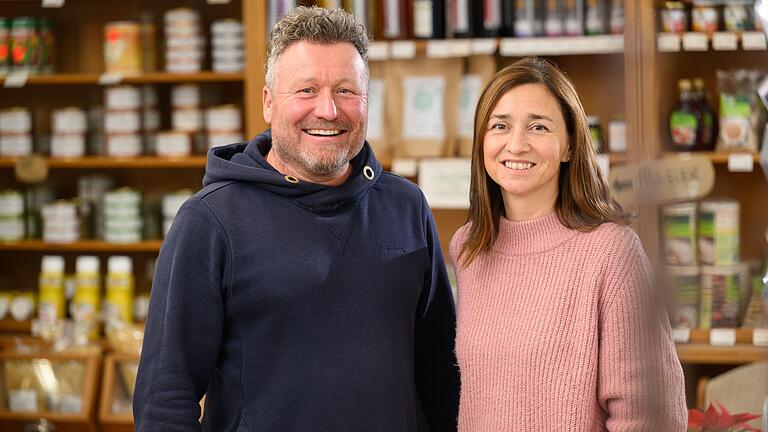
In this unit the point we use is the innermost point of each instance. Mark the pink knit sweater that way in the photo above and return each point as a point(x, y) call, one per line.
point(557, 330)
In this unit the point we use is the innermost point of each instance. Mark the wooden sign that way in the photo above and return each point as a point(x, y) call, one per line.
point(31, 169)
point(662, 181)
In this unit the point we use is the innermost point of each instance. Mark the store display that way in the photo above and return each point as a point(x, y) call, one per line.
point(15, 132)
point(51, 294)
point(118, 304)
point(741, 115)
point(86, 302)
point(60, 222)
point(227, 45)
point(678, 223)
point(719, 232)
point(46, 385)
point(185, 46)
point(122, 47)
point(11, 216)
point(122, 216)
point(68, 132)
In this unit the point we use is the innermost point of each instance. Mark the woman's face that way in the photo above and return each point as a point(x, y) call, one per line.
point(525, 142)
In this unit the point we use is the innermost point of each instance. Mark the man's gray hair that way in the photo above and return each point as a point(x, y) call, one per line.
point(317, 25)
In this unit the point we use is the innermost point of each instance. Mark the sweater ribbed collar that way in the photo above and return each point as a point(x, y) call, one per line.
point(532, 236)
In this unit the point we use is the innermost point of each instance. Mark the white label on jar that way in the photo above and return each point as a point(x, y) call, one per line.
point(71, 145)
point(760, 337)
point(187, 120)
point(423, 110)
point(123, 145)
point(69, 120)
point(53, 3)
point(693, 41)
point(740, 162)
point(681, 334)
point(724, 41)
point(422, 18)
point(122, 97)
point(15, 121)
point(22, 400)
point(15, 145)
point(122, 122)
point(722, 337)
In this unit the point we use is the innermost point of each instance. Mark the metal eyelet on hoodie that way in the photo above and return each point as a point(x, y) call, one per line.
point(291, 179)
point(368, 172)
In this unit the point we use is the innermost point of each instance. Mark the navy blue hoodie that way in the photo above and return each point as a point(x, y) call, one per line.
point(299, 307)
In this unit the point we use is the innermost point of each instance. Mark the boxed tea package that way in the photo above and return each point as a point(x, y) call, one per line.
point(422, 95)
point(742, 116)
point(480, 70)
point(377, 101)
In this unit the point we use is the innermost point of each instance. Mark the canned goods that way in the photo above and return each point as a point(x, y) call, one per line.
point(217, 139)
point(172, 143)
point(24, 45)
point(187, 119)
point(60, 222)
point(123, 145)
point(15, 120)
point(67, 145)
point(128, 121)
point(11, 204)
point(184, 41)
point(122, 47)
point(14, 145)
point(705, 18)
point(679, 227)
point(122, 97)
point(723, 290)
point(185, 96)
point(5, 40)
point(68, 120)
point(719, 232)
point(225, 118)
point(686, 283)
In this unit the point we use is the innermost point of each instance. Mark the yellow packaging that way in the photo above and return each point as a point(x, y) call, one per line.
point(51, 297)
point(119, 284)
point(87, 298)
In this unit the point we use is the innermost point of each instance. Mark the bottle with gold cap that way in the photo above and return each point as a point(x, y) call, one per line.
point(87, 298)
point(706, 135)
point(119, 284)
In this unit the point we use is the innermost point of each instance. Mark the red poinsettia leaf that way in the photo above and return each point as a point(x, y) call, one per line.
point(695, 417)
point(744, 417)
point(710, 417)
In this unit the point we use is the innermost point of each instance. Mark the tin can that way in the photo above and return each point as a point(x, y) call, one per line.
point(686, 283)
point(722, 292)
point(46, 57)
point(5, 40)
point(674, 18)
point(122, 47)
point(736, 17)
point(223, 118)
point(705, 19)
point(24, 45)
point(679, 227)
point(719, 232)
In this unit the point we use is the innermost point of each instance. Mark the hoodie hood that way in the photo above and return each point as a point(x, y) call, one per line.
point(245, 162)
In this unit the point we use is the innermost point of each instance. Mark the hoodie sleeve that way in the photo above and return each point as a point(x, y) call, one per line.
point(437, 373)
point(184, 324)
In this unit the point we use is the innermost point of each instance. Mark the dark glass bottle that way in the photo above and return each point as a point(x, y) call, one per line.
point(685, 119)
point(429, 19)
point(708, 127)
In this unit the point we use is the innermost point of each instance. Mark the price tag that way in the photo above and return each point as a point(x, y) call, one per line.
point(694, 41)
point(22, 400)
point(53, 3)
point(460, 47)
point(16, 80)
point(484, 46)
point(760, 337)
point(668, 42)
point(378, 51)
point(753, 41)
point(71, 404)
point(445, 182)
point(438, 49)
point(725, 41)
point(681, 334)
point(110, 78)
point(722, 337)
point(403, 49)
point(405, 167)
point(741, 162)
point(217, 1)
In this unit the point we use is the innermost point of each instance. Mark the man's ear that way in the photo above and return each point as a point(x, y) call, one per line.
point(266, 104)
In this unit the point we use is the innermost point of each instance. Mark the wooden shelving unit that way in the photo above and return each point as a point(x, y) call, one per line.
point(82, 246)
point(106, 162)
point(145, 78)
point(715, 157)
point(702, 353)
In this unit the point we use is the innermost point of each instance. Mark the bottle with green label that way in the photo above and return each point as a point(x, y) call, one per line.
point(685, 119)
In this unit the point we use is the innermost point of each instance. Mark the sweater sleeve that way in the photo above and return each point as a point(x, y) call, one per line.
point(640, 380)
point(184, 323)
point(437, 373)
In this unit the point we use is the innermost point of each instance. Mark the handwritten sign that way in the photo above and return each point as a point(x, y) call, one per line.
point(662, 181)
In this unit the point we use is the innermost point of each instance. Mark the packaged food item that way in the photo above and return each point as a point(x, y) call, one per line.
point(22, 306)
point(573, 17)
point(679, 227)
point(480, 70)
point(741, 113)
point(594, 18)
point(5, 40)
point(182, 27)
point(528, 19)
point(705, 17)
point(616, 22)
point(46, 57)
point(122, 216)
point(24, 46)
point(706, 132)
point(674, 17)
point(685, 119)
point(11, 216)
point(173, 143)
point(122, 47)
point(421, 92)
point(686, 283)
point(60, 222)
point(737, 16)
point(51, 304)
point(721, 291)
point(553, 18)
point(119, 288)
point(86, 302)
point(719, 232)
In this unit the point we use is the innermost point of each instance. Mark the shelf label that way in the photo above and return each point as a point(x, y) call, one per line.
point(460, 47)
point(753, 41)
point(741, 162)
point(668, 42)
point(604, 161)
point(403, 49)
point(681, 334)
point(16, 80)
point(694, 41)
point(445, 182)
point(438, 49)
point(110, 78)
point(722, 337)
point(760, 337)
point(405, 167)
point(378, 51)
point(662, 181)
point(725, 41)
point(484, 46)
point(53, 3)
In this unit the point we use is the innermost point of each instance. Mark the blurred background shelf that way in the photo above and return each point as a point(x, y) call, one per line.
point(118, 162)
point(82, 246)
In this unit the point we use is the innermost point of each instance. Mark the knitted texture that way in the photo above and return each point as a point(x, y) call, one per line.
point(559, 330)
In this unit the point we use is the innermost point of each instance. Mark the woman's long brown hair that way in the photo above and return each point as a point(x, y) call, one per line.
point(583, 200)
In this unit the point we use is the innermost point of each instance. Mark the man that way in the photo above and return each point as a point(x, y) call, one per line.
point(302, 289)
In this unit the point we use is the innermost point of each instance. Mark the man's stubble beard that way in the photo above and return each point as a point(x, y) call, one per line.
point(290, 151)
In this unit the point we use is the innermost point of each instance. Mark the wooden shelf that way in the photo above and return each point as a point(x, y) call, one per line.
point(82, 246)
point(146, 78)
point(703, 353)
point(117, 162)
point(10, 325)
point(719, 41)
point(715, 157)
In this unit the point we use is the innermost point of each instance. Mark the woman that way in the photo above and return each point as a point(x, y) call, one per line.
point(556, 325)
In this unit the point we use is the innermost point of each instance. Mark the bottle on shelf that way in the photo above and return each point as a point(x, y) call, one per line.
point(684, 119)
point(429, 19)
point(707, 133)
point(87, 298)
point(119, 289)
point(394, 16)
point(51, 297)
